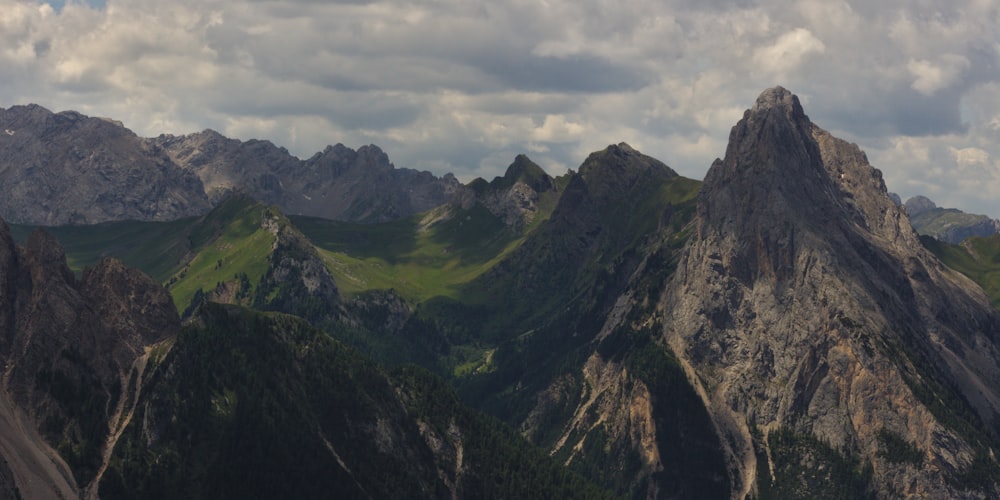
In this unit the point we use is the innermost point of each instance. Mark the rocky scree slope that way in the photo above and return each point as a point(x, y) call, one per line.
point(813, 323)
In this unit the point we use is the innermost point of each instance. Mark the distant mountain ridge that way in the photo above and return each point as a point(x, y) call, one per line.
point(337, 183)
point(949, 225)
point(67, 168)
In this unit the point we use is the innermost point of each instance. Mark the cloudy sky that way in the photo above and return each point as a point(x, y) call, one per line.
point(463, 86)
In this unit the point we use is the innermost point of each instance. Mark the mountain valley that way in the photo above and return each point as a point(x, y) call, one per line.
point(777, 330)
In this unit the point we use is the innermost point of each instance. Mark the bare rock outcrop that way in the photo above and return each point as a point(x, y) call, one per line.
point(67, 168)
point(515, 197)
point(805, 302)
point(337, 183)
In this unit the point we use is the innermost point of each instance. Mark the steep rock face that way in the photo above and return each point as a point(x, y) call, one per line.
point(297, 281)
point(582, 374)
point(67, 168)
point(805, 303)
point(337, 183)
point(225, 165)
point(69, 348)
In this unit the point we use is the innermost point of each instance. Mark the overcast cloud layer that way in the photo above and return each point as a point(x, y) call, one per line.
point(463, 86)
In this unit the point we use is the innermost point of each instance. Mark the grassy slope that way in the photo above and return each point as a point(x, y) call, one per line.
point(155, 247)
point(977, 258)
point(228, 241)
point(420, 257)
point(938, 220)
point(183, 254)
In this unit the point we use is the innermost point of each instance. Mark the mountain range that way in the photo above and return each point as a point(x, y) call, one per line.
point(777, 330)
point(67, 168)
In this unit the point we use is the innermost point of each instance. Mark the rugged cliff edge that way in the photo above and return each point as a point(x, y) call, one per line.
point(70, 349)
point(810, 319)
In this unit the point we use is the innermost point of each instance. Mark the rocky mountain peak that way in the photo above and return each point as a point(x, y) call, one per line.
point(67, 168)
point(528, 172)
point(805, 288)
point(620, 157)
point(513, 198)
point(778, 97)
point(23, 114)
point(781, 171)
point(375, 153)
point(522, 165)
point(337, 153)
point(617, 168)
point(775, 134)
point(919, 204)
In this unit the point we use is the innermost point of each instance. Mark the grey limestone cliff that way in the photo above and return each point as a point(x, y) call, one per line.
point(66, 168)
point(804, 303)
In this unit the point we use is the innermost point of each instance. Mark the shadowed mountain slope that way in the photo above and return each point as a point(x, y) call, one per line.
point(71, 349)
